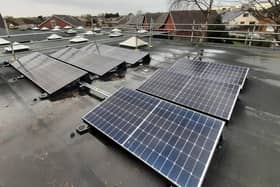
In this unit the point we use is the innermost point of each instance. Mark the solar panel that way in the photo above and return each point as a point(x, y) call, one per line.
point(49, 74)
point(127, 55)
point(87, 61)
point(215, 98)
point(226, 73)
point(176, 142)
point(188, 67)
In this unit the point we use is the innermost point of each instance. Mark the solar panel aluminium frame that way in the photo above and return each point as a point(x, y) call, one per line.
point(245, 77)
point(208, 63)
point(184, 106)
point(138, 157)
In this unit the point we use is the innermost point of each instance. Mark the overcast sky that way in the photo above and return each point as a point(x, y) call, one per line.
point(78, 7)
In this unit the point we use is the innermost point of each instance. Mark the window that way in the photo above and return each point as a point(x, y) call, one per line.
point(252, 22)
point(242, 22)
point(53, 23)
point(245, 15)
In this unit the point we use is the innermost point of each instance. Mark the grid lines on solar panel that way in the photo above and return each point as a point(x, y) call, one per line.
point(208, 96)
point(185, 66)
point(231, 74)
point(165, 84)
point(176, 142)
point(211, 97)
point(226, 73)
point(121, 114)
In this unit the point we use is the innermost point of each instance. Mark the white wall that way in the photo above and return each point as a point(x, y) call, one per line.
point(246, 20)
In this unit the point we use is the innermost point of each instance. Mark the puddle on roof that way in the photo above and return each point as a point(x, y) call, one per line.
point(262, 115)
point(162, 56)
point(271, 82)
point(264, 64)
point(217, 51)
point(179, 51)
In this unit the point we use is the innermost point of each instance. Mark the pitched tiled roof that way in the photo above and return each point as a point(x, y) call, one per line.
point(231, 15)
point(159, 19)
point(75, 22)
point(188, 16)
point(135, 20)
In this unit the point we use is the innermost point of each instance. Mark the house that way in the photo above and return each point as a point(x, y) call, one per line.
point(259, 5)
point(239, 17)
point(265, 24)
point(22, 23)
point(180, 22)
point(116, 21)
point(135, 21)
point(61, 21)
point(158, 19)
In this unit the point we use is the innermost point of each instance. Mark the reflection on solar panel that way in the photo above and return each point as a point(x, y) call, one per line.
point(87, 61)
point(188, 67)
point(127, 55)
point(176, 142)
point(208, 96)
point(226, 73)
point(47, 73)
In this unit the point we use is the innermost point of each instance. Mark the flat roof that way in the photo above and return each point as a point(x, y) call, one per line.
point(37, 149)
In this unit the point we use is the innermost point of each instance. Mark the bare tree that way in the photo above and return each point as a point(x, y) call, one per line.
point(205, 6)
point(272, 12)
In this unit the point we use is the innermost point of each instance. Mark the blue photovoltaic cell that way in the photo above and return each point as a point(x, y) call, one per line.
point(176, 142)
point(215, 98)
point(121, 114)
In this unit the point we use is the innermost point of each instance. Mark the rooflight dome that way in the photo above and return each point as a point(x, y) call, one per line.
point(54, 37)
point(133, 42)
point(67, 27)
point(116, 30)
point(17, 47)
point(45, 29)
point(78, 39)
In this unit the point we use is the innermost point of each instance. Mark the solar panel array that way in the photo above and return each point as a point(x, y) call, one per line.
point(127, 55)
point(49, 74)
point(176, 142)
point(87, 61)
point(208, 96)
point(226, 73)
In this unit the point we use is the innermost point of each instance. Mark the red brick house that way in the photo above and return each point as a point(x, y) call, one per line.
point(159, 20)
point(61, 21)
point(180, 21)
